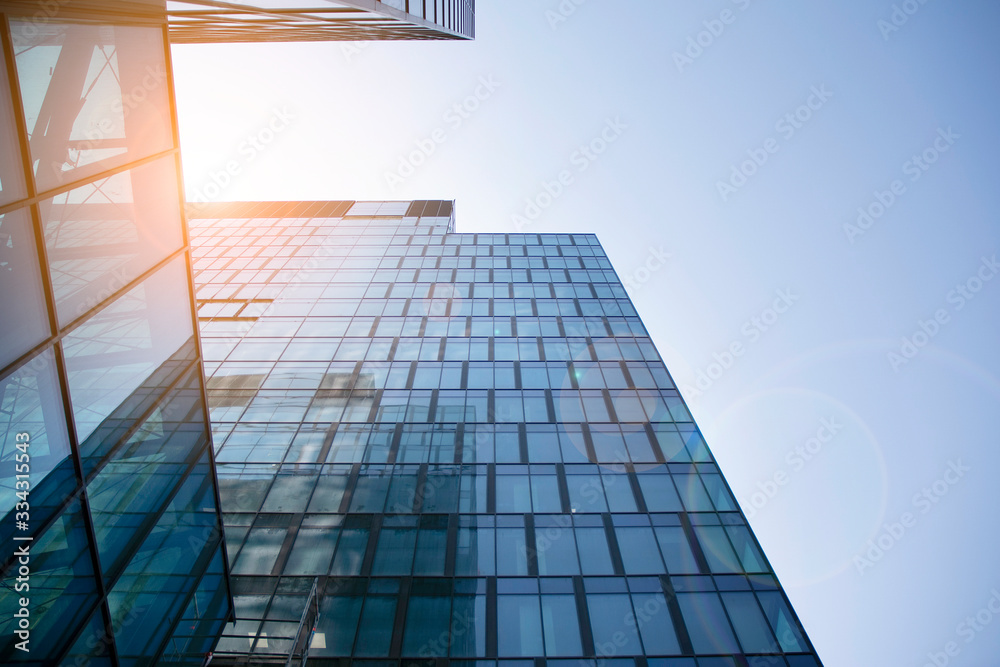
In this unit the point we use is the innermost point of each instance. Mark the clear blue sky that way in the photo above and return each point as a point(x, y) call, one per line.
point(828, 440)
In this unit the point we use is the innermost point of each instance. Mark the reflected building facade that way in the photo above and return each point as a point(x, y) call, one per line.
point(450, 448)
point(113, 550)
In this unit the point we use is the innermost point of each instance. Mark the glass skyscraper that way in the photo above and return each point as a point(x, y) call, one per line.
point(460, 448)
point(111, 532)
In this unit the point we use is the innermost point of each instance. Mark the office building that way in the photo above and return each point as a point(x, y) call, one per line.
point(201, 21)
point(460, 449)
point(111, 529)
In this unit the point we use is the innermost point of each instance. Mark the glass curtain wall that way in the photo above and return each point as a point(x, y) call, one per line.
point(113, 552)
point(471, 444)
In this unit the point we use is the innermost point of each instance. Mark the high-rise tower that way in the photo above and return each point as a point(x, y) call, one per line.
point(462, 447)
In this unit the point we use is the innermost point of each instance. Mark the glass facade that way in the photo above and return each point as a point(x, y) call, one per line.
point(111, 530)
point(469, 443)
point(200, 21)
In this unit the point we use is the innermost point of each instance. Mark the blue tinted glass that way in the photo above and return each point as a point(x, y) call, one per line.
point(658, 491)
point(595, 558)
point(512, 552)
point(586, 493)
point(427, 624)
point(555, 550)
point(559, 621)
point(640, 555)
point(338, 621)
point(613, 624)
point(468, 626)
point(718, 552)
point(105, 367)
point(545, 494)
point(350, 552)
point(653, 620)
point(61, 558)
point(375, 630)
point(519, 630)
point(751, 627)
point(676, 550)
point(394, 553)
point(513, 493)
point(706, 623)
point(31, 407)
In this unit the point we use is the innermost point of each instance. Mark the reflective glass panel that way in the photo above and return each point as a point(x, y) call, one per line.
point(114, 351)
point(103, 235)
point(25, 322)
point(94, 96)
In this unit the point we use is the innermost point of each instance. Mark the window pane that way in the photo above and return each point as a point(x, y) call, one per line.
point(30, 401)
point(718, 552)
point(595, 558)
point(640, 555)
point(782, 622)
point(394, 554)
point(109, 104)
point(518, 626)
point(751, 628)
point(114, 351)
point(545, 494)
point(11, 172)
point(555, 550)
point(513, 493)
point(619, 491)
point(658, 491)
point(312, 551)
point(692, 493)
point(475, 552)
point(431, 547)
point(375, 632)
point(350, 552)
point(60, 557)
point(562, 629)
point(586, 493)
point(676, 550)
point(512, 552)
point(613, 625)
point(746, 549)
point(717, 490)
point(426, 626)
point(706, 623)
point(101, 236)
point(338, 621)
point(260, 552)
point(653, 619)
point(26, 322)
point(468, 626)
